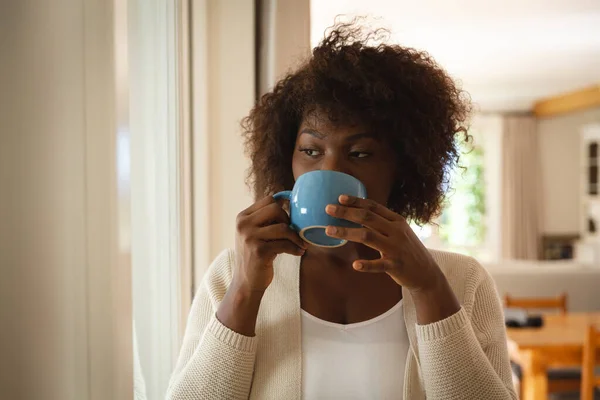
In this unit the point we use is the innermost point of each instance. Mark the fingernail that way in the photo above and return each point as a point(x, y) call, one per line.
point(344, 198)
point(331, 208)
point(358, 266)
point(302, 251)
point(332, 230)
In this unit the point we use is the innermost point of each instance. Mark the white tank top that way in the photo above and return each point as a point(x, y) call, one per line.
point(365, 360)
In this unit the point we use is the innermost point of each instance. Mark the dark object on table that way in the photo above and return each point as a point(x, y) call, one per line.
point(518, 318)
point(535, 321)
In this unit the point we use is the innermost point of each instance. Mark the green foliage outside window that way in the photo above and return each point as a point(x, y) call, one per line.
point(462, 223)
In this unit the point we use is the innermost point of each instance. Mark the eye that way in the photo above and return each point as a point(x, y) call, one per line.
point(359, 154)
point(310, 152)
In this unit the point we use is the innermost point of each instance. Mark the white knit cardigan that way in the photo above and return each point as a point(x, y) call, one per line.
point(461, 357)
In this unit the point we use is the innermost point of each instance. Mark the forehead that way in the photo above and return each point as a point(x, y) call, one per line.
point(323, 123)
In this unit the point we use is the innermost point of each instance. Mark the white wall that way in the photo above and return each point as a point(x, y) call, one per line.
point(559, 141)
point(224, 86)
point(231, 96)
point(63, 272)
point(284, 39)
point(223, 92)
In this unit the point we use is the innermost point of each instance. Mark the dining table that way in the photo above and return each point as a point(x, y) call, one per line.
point(558, 343)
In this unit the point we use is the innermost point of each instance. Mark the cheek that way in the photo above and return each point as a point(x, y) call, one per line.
point(379, 186)
point(379, 193)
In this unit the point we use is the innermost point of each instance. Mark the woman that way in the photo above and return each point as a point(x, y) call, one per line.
point(381, 317)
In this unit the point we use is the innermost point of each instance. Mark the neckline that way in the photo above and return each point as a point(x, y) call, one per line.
point(355, 324)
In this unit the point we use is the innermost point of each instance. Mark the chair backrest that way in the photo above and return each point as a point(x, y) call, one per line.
point(589, 380)
point(538, 303)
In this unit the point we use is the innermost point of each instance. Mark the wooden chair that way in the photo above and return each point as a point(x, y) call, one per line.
point(538, 303)
point(560, 380)
point(590, 382)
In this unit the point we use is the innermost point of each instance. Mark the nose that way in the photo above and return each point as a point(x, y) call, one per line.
point(334, 162)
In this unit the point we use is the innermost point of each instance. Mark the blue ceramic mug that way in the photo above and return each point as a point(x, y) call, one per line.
point(312, 192)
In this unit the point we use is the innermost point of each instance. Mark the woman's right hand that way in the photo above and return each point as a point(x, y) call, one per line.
point(263, 232)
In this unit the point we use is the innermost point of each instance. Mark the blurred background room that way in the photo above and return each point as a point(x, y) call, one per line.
point(122, 170)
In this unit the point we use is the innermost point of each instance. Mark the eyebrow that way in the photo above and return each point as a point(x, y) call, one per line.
point(350, 138)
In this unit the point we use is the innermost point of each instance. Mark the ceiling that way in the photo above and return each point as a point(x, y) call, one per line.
point(507, 54)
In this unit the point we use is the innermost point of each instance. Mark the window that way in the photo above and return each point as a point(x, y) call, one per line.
point(462, 225)
point(470, 219)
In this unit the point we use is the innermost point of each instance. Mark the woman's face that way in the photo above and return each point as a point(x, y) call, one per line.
point(351, 149)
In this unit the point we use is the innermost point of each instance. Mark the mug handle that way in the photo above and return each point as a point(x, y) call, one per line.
point(286, 195)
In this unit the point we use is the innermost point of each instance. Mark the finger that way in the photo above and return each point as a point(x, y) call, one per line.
point(280, 232)
point(361, 216)
point(370, 205)
point(283, 246)
point(376, 266)
point(365, 236)
point(268, 215)
point(258, 205)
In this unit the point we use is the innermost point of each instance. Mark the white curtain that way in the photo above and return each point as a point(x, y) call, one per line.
point(521, 202)
point(161, 271)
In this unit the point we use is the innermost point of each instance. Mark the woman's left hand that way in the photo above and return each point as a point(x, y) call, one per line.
point(403, 256)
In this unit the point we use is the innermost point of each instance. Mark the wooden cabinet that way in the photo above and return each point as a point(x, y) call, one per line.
point(590, 199)
point(588, 248)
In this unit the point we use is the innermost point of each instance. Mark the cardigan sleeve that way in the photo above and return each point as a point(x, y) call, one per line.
point(466, 357)
point(214, 362)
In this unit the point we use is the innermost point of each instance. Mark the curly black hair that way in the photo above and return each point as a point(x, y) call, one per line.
point(399, 92)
